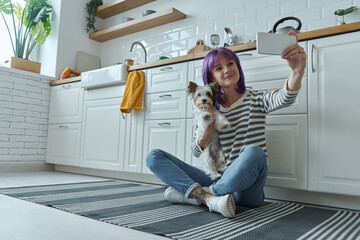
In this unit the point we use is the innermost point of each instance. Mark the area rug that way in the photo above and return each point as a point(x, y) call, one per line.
point(144, 208)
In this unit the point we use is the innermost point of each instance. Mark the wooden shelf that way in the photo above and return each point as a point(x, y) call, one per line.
point(118, 6)
point(137, 25)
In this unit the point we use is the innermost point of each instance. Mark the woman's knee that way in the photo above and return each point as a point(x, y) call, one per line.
point(257, 154)
point(153, 157)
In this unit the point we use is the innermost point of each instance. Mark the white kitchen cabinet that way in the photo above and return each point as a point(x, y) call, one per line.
point(63, 144)
point(195, 75)
point(134, 141)
point(167, 78)
point(64, 130)
point(286, 144)
point(66, 103)
point(167, 135)
point(334, 116)
point(103, 135)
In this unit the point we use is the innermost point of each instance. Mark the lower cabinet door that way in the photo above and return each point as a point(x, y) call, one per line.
point(286, 142)
point(103, 136)
point(167, 135)
point(63, 144)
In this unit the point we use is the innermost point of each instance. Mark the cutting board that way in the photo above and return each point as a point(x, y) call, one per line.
point(199, 47)
point(86, 62)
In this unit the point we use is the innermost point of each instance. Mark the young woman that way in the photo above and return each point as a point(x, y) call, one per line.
point(243, 143)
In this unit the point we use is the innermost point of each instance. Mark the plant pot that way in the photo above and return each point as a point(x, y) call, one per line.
point(23, 64)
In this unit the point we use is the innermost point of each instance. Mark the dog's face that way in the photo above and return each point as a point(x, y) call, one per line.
point(203, 97)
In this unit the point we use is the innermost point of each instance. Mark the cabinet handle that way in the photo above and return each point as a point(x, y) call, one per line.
point(66, 86)
point(245, 55)
point(165, 96)
point(63, 126)
point(312, 58)
point(166, 69)
point(123, 116)
point(164, 124)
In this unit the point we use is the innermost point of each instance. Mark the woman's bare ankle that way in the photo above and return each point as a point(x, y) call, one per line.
point(200, 194)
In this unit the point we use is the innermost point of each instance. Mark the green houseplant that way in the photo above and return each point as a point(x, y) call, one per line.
point(91, 7)
point(343, 12)
point(32, 26)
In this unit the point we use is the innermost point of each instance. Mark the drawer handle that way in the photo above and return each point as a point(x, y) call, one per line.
point(165, 96)
point(166, 69)
point(312, 58)
point(66, 86)
point(164, 124)
point(63, 126)
point(245, 55)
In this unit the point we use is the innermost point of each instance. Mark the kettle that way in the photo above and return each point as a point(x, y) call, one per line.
point(287, 29)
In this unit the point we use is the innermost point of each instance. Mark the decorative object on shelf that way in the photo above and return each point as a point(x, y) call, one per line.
point(215, 40)
point(91, 7)
point(129, 62)
point(119, 6)
point(343, 12)
point(162, 57)
point(230, 36)
point(148, 12)
point(287, 29)
point(199, 47)
point(126, 19)
point(33, 27)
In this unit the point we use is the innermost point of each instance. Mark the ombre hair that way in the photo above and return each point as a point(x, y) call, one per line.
point(208, 64)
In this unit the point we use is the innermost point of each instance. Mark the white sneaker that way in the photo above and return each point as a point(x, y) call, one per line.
point(174, 196)
point(222, 204)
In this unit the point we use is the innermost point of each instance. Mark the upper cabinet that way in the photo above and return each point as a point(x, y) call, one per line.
point(136, 25)
point(118, 6)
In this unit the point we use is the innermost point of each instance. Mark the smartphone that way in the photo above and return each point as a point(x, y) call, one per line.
point(272, 43)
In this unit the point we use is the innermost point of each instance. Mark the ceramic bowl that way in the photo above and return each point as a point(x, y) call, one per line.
point(148, 12)
point(126, 19)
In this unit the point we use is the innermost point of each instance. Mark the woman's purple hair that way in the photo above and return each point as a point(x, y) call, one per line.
point(209, 62)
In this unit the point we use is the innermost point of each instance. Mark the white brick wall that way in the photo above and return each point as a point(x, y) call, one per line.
point(206, 17)
point(24, 110)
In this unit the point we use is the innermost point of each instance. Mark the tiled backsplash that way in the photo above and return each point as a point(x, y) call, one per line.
point(205, 17)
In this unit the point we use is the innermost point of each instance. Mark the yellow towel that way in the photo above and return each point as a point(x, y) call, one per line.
point(134, 92)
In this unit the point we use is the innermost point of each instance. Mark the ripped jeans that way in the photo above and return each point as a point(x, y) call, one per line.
point(244, 178)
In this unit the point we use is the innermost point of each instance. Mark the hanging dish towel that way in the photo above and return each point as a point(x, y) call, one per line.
point(134, 92)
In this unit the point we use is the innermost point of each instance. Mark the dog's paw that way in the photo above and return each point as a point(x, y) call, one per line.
point(223, 125)
point(215, 176)
point(207, 117)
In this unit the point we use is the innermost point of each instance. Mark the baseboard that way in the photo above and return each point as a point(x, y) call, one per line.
point(128, 176)
point(25, 167)
point(313, 198)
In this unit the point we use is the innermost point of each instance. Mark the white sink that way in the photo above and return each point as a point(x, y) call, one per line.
point(103, 77)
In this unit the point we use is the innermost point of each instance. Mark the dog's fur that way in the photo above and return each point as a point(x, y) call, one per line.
point(203, 99)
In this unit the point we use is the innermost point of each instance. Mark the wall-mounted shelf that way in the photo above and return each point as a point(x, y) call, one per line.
point(140, 24)
point(119, 6)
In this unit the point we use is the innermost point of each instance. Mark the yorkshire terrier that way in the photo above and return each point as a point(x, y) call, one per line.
point(203, 99)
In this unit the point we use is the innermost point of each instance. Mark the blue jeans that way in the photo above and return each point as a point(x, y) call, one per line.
point(244, 178)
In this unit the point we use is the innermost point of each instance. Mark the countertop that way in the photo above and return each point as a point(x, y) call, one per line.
point(325, 32)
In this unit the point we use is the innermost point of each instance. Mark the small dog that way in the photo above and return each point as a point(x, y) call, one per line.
point(203, 99)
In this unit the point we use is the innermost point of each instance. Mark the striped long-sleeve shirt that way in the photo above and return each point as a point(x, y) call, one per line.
point(247, 120)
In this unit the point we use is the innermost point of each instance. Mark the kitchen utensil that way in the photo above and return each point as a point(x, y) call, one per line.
point(230, 35)
point(215, 40)
point(287, 29)
point(199, 47)
point(148, 12)
point(86, 62)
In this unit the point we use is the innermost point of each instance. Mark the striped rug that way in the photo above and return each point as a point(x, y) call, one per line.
point(144, 208)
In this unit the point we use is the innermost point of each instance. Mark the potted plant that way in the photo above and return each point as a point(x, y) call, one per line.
point(343, 12)
point(91, 7)
point(32, 27)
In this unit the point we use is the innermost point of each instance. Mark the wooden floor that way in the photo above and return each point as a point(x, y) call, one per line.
point(21, 220)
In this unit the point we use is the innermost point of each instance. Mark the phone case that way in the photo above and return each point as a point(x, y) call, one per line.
point(272, 43)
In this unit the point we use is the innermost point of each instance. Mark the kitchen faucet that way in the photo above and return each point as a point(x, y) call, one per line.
point(132, 45)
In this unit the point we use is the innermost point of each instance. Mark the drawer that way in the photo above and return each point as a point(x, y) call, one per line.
point(167, 78)
point(259, 67)
point(300, 104)
point(166, 105)
point(66, 103)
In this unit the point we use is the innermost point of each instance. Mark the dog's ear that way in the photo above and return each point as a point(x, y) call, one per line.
point(192, 88)
point(215, 89)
